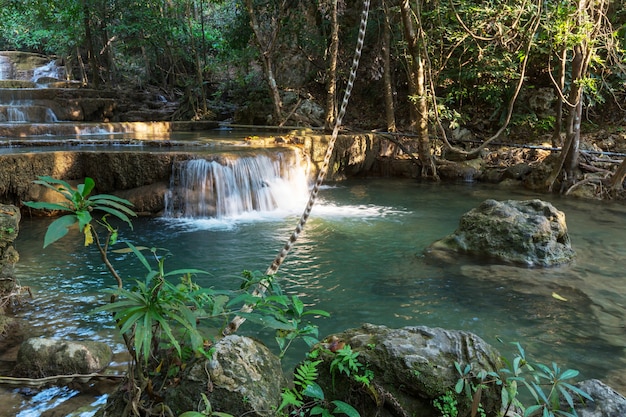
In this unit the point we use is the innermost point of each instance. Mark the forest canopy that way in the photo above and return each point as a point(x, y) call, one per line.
point(428, 66)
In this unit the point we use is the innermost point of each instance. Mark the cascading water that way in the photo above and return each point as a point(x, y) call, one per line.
point(15, 115)
point(6, 68)
point(231, 186)
point(50, 70)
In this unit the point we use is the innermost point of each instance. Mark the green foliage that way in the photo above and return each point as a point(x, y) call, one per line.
point(308, 396)
point(80, 205)
point(447, 405)
point(346, 362)
point(286, 315)
point(548, 386)
point(149, 312)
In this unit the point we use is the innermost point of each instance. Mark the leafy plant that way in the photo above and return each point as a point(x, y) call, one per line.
point(147, 311)
point(307, 395)
point(346, 362)
point(286, 315)
point(447, 405)
point(547, 386)
point(80, 205)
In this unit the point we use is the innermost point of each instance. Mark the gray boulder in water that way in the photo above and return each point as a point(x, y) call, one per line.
point(412, 367)
point(530, 232)
point(42, 357)
point(606, 401)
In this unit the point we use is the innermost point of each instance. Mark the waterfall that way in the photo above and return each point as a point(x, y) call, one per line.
point(6, 68)
point(51, 117)
point(15, 115)
point(50, 70)
point(230, 186)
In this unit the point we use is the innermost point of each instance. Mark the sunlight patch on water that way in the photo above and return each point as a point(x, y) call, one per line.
point(360, 211)
point(47, 400)
point(227, 223)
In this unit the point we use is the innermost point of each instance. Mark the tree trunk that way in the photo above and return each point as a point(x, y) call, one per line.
point(617, 180)
point(417, 88)
point(331, 87)
point(387, 80)
point(93, 62)
point(568, 160)
point(575, 112)
point(266, 46)
point(428, 165)
point(558, 123)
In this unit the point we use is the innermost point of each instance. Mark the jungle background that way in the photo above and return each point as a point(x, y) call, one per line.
point(447, 79)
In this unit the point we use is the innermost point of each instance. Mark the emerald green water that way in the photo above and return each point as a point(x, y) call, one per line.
point(361, 257)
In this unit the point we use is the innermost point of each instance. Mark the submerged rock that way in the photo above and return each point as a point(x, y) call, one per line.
point(531, 233)
point(412, 367)
point(41, 357)
point(606, 401)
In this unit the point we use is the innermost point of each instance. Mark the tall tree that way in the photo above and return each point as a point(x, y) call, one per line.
point(390, 117)
point(333, 51)
point(584, 22)
point(266, 17)
point(417, 85)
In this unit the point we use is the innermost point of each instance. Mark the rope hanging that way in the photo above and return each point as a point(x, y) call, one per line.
point(273, 268)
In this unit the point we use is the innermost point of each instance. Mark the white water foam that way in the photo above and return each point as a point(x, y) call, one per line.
point(355, 212)
point(237, 189)
point(50, 70)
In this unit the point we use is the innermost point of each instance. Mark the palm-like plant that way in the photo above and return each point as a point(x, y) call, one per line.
point(80, 205)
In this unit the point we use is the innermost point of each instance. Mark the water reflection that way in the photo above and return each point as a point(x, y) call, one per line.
point(361, 258)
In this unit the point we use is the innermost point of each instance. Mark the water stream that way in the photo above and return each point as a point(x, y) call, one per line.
point(360, 258)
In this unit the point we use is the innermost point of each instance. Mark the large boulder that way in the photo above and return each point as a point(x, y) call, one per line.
point(412, 367)
point(42, 357)
point(530, 233)
point(606, 401)
point(243, 377)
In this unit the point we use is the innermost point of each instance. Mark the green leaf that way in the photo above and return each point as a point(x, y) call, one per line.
point(66, 190)
point(185, 271)
point(317, 410)
point(567, 396)
point(568, 374)
point(86, 188)
point(84, 218)
point(313, 390)
point(458, 388)
point(218, 304)
point(290, 398)
point(110, 197)
point(298, 305)
point(116, 213)
point(310, 341)
point(532, 409)
point(322, 313)
point(58, 229)
point(347, 409)
point(97, 202)
point(577, 391)
point(42, 205)
point(140, 256)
